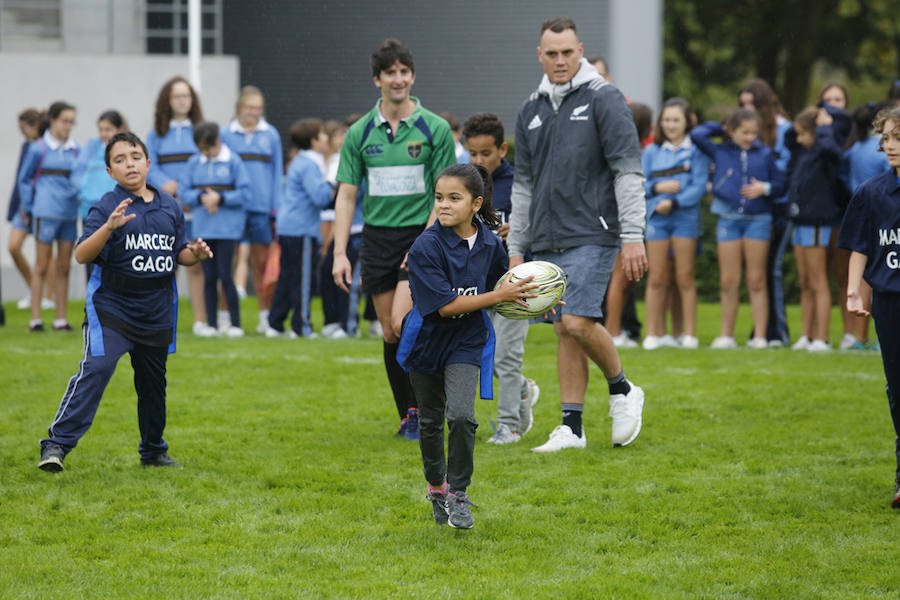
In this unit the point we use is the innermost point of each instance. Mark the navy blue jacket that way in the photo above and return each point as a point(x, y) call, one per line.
point(15, 201)
point(815, 187)
point(872, 227)
point(131, 286)
point(441, 267)
point(735, 167)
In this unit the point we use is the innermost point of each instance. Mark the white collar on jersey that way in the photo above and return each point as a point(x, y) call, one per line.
point(236, 127)
point(54, 144)
point(684, 145)
point(381, 118)
point(185, 123)
point(224, 155)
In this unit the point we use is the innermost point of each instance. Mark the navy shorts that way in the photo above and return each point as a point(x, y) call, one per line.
point(257, 229)
point(588, 270)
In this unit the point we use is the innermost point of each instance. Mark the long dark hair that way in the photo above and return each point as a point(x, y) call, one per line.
point(114, 118)
point(768, 106)
point(690, 119)
point(163, 113)
point(477, 182)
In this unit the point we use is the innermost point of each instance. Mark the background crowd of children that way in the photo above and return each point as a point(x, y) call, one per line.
point(772, 182)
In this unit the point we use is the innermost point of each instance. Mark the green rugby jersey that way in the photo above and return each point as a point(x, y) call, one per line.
point(400, 167)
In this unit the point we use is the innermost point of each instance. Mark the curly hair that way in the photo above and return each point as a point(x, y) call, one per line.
point(888, 114)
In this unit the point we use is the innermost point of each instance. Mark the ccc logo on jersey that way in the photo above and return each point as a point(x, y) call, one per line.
point(373, 149)
point(414, 149)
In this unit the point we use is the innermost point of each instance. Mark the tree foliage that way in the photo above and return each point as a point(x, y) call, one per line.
point(712, 46)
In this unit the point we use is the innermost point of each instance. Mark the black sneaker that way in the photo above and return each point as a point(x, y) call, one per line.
point(460, 514)
point(895, 503)
point(52, 457)
point(35, 327)
point(63, 327)
point(438, 505)
point(160, 460)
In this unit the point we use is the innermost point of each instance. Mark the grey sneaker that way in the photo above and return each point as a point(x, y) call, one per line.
point(52, 457)
point(503, 434)
point(438, 505)
point(460, 513)
point(526, 418)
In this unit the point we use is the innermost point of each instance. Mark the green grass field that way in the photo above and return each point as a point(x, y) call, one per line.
point(758, 474)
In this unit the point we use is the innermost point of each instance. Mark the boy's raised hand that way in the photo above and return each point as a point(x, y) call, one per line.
point(200, 249)
point(118, 217)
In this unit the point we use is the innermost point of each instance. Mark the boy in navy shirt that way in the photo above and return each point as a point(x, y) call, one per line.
point(871, 231)
point(453, 267)
point(135, 237)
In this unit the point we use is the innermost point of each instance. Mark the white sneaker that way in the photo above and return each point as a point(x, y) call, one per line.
point(503, 435)
point(24, 303)
point(667, 341)
point(623, 341)
point(562, 437)
point(375, 330)
point(847, 341)
point(263, 323)
point(651, 342)
point(626, 411)
point(801, 344)
point(233, 332)
point(819, 346)
point(271, 332)
point(688, 342)
point(723, 342)
point(47, 304)
point(775, 343)
point(334, 331)
point(526, 416)
point(201, 329)
point(758, 343)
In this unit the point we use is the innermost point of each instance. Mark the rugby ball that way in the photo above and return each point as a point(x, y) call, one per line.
point(551, 282)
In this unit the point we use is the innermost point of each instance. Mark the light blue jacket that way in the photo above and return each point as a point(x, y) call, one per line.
point(306, 193)
point(686, 164)
point(261, 151)
point(226, 175)
point(90, 177)
point(169, 153)
point(44, 179)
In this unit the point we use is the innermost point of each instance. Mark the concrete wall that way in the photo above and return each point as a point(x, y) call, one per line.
point(635, 49)
point(93, 83)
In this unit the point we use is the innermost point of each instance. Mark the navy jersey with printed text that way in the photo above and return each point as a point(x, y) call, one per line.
point(138, 261)
point(441, 268)
point(872, 227)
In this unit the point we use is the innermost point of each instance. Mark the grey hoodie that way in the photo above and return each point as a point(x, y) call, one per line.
point(578, 176)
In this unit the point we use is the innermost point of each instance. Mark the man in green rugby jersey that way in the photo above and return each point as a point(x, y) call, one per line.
point(396, 150)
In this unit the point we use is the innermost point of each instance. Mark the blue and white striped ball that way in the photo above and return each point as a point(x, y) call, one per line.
point(552, 285)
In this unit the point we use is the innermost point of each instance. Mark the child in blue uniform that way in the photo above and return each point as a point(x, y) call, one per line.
point(871, 231)
point(745, 184)
point(49, 205)
point(170, 144)
point(135, 237)
point(453, 267)
point(305, 194)
point(216, 187)
point(676, 172)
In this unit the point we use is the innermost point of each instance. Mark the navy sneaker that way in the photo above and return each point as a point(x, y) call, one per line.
point(52, 457)
point(412, 425)
point(401, 431)
point(160, 460)
point(460, 516)
point(438, 505)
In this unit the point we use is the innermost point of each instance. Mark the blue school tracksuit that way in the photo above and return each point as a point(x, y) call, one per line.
point(442, 267)
point(226, 175)
point(168, 156)
point(130, 307)
point(863, 161)
point(13, 213)
point(90, 178)
point(304, 196)
point(45, 189)
point(872, 227)
point(687, 165)
point(260, 150)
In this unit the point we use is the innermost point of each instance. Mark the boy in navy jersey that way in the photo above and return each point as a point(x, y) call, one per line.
point(134, 236)
point(871, 231)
